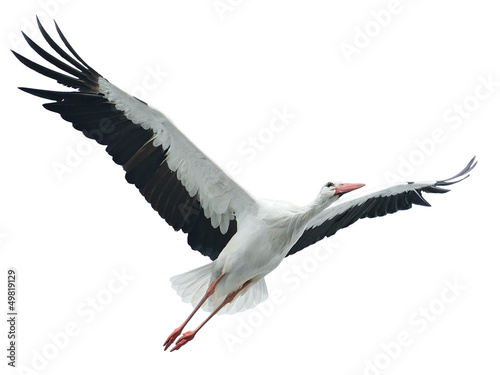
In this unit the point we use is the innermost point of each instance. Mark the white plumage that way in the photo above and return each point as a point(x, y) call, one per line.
point(245, 237)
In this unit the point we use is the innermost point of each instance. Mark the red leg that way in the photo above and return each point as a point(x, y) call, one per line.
point(189, 335)
point(178, 331)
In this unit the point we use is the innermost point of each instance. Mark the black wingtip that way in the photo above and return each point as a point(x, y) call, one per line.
point(59, 77)
point(22, 59)
point(435, 189)
point(75, 60)
point(45, 94)
point(25, 89)
point(18, 56)
point(417, 198)
point(71, 49)
point(461, 175)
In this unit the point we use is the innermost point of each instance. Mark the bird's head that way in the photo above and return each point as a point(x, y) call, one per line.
point(333, 190)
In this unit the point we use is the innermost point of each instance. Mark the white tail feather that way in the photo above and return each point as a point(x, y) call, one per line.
point(254, 294)
point(191, 286)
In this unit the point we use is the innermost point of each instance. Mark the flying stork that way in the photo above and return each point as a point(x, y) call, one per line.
point(244, 236)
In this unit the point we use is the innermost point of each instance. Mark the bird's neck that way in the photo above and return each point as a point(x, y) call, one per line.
point(308, 212)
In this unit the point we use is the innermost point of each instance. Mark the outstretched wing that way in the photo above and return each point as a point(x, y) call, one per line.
point(372, 203)
point(185, 187)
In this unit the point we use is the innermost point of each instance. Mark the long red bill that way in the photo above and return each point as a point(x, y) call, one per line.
point(346, 188)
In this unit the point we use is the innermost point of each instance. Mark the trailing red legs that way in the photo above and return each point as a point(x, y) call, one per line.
point(189, 335)
point(211, 289)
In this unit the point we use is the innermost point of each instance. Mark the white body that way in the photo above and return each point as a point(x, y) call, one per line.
point(264, 237)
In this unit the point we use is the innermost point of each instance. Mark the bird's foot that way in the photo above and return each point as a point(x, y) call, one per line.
point(186, 337)
point(172, 338)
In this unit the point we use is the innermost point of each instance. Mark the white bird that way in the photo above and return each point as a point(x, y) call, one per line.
point(245, 237)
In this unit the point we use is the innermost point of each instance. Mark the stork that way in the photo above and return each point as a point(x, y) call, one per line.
point(244, 236)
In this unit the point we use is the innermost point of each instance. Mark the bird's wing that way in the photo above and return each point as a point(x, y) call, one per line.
point(372, 203)
point(185, 187)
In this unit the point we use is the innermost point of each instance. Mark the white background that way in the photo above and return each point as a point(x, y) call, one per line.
point(356, 121)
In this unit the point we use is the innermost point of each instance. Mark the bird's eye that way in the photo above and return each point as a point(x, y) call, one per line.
point(329, 184)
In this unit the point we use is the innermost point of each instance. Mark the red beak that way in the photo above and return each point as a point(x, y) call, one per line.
point(346, 188)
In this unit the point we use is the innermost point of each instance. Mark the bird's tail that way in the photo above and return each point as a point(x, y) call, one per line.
point(191, 286)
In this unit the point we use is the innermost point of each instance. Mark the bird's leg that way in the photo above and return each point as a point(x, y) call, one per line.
point(178, 331)
point(189, 335)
